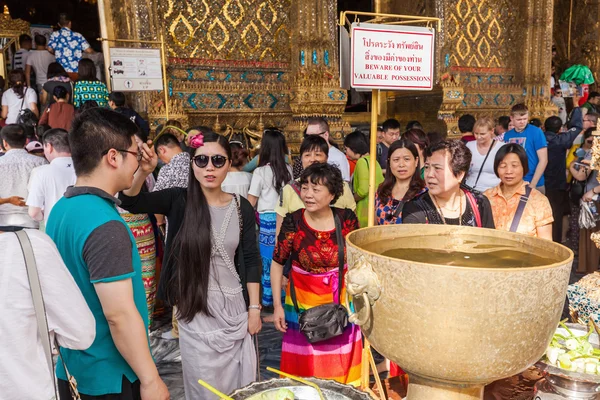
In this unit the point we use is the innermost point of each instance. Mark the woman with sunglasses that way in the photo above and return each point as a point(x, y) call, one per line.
point(402, 182)
point(268, 180)
point(212, 270)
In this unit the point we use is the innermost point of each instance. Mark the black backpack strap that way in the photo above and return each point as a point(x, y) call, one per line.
point(520, 208)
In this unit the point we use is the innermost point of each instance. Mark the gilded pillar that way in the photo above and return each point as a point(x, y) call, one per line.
point(315, 89)
point(536, 58)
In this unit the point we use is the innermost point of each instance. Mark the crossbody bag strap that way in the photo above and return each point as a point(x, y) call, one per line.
point(340, 243)
point(23, 101)
point(520, 208)
point(483, 164)
point(38, 300)
point(474, 207)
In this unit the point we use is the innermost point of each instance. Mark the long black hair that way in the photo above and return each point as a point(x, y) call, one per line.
point(416, 182)
point(273, 150)
point(188, 287)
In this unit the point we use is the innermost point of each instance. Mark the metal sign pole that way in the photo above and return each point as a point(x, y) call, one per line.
point(164, 69)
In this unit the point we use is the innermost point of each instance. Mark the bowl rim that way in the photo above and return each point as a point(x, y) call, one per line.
point(453, 228)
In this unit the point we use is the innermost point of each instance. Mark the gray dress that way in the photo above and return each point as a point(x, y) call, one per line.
point(218, 349)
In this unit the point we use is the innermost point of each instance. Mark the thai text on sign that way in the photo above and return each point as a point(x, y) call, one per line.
point(392, 57)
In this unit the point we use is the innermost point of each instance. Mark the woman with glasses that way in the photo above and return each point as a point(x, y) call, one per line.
point(143, 227)
point(212, 274)
point(402, 183)
point(267, 183)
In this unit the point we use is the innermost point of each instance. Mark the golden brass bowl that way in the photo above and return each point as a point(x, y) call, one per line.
point(454, 329)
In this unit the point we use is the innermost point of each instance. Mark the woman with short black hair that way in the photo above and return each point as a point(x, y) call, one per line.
point(421, 140)
point(516, 206)
point(57, 76)
point(357, 149)
point(447, 201)
point(309, 240)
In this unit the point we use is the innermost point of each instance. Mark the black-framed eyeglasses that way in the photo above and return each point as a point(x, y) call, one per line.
point(137, 154)
point(201, 161)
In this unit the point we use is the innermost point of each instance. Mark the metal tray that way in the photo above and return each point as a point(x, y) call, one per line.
point(332, 390)
point(578, 330)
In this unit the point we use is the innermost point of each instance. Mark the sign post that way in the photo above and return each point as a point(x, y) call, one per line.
point(387, 53)
point(134, 70)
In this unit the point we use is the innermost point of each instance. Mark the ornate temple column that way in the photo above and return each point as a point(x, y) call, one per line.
point(315, 89)
point(138, 19)
point(537, 57)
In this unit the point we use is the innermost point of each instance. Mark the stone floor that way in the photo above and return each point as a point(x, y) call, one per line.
point(168, 356)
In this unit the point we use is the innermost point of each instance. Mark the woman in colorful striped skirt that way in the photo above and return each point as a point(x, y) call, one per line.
point(308, 238)
point(267, 183)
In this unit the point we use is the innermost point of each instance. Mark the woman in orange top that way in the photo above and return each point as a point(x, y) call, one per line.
point(510, 165)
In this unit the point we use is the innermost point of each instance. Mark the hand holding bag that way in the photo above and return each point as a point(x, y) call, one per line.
point(327, 320)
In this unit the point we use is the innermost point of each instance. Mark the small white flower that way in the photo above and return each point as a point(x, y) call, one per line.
point(77, 53)
point(67, 52)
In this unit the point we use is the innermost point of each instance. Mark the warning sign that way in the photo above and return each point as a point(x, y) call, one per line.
point(135, 69)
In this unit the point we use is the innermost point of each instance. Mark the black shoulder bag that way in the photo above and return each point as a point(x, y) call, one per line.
point(483, 164)
point(327, 320)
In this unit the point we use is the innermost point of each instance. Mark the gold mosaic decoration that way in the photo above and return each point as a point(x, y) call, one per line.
point(476, 31)
point(249, 30)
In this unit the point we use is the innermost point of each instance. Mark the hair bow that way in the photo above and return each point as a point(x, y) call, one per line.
point(196, 141)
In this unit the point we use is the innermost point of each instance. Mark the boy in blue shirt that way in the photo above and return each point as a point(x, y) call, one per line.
point(533, 140)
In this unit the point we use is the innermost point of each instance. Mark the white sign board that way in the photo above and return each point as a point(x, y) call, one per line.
point(392, 57)
point(135, 70)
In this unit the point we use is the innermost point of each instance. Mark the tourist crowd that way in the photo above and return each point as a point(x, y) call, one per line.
point(193, 221)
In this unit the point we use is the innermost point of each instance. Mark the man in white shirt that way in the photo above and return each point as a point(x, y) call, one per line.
point(38, 61)
point(48, 183)
point(319, 126)
point(15, 168)
point(24, 372)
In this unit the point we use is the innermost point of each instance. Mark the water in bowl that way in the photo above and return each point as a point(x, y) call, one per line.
point(464, 250)
point(491, 259)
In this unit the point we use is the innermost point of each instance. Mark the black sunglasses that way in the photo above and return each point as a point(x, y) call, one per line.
point(137, 155)
point(201, 161)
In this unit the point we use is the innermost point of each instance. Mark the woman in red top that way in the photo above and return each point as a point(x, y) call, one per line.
point(60, 113)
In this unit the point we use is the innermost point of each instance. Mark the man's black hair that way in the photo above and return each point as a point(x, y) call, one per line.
point(166, 139)
point(118, 98)
point(504, 121)
point(15, 135)
point(466, 123)
point(390, 124)
point(553, 124)
point(414, 124)
point(58, 138)
point(94, 132)
point(40, 40)
point(593, 94)
point(24, 38)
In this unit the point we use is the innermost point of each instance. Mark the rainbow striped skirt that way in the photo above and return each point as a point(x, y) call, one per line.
point(338, 358)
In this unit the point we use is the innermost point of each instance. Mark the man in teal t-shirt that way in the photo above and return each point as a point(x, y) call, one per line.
point(100, 252)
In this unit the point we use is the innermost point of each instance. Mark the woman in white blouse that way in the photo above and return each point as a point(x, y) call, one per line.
point(18, 97)
point(481, 176)
point(237, 181)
